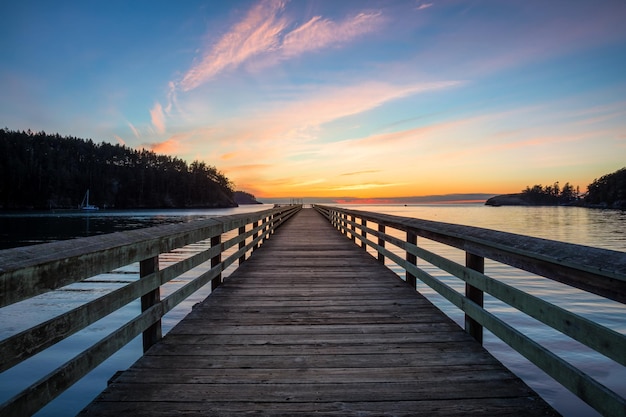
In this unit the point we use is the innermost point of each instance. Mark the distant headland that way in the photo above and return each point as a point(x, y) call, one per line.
point(242, 197)
point(609, 191)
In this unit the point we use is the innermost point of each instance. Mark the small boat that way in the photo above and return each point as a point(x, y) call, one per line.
point(85, 204)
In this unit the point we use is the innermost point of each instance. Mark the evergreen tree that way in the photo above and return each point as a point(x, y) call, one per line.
point(40, 170)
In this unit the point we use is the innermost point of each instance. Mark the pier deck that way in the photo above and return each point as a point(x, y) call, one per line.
point(312, 325)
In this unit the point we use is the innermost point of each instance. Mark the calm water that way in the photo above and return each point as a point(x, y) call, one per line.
point(20, 229)
point(600, 228)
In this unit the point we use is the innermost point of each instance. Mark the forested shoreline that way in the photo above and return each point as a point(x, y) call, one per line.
point(48, 171)
point(608, 191)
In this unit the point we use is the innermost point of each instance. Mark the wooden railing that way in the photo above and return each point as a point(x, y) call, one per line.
point(598, 271)
point(29, 271)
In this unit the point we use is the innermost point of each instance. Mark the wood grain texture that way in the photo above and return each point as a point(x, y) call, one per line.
point(312, 324)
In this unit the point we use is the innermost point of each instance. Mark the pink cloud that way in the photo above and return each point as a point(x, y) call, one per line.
point(119, 140)
point(258, 32)
point(158, 118)
point(265, 31)
point(334, 103)
point(168, 147)
point(318, 33)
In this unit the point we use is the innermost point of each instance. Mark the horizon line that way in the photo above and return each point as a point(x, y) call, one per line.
point(436, 198)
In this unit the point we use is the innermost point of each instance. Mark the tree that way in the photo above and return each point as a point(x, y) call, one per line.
point(40, 170)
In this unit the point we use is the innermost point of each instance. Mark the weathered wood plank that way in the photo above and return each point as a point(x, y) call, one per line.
point(312, 324)
point(502, 407)
point(316, 375)
point(435, 389)
point(172, 363)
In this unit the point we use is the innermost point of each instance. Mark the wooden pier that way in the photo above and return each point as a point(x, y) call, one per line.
point(311, 324)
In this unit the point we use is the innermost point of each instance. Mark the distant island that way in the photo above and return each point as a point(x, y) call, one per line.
point(242, 197)
point(609, 191)
point(48, 171)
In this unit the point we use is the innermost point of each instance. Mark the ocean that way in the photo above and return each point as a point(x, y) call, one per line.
point(591, 227)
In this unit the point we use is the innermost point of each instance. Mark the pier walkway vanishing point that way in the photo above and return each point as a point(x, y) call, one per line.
point(313, 325)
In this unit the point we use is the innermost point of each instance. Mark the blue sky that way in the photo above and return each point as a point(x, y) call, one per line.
point(336, 99)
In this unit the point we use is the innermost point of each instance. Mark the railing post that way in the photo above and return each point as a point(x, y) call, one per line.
point(381, 243)
point(266, 229)
point(477, 263)
point(215, 261)
point(353, 229)
point(153, 333)
point(363, 234)
point(255, 235)
point(411, 238)
point(242, 244)
point(341, 222)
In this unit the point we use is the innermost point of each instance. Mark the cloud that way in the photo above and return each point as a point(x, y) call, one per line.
point(168, 147)
point(134, 129)
point(180, 143)
point(365, 186)
point(333, 103)
point(284, 134)
point(265, 31)
point(258, 32)
point(250, 167)
point(423, 6)
point(307, 183)
point(229, 155)
point(373, 171)
point(171, 98)
point(158, 118)
point(119, 140)
point(318, 33)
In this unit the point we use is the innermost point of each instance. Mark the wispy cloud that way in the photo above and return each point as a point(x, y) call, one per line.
point(258, 32)
point(423, 6)
point(265, 30)
point(229, 155)
point(285, 134)
point(168, 147)
point(334, 102)
point(158, 118)
point(119, 140)
point(319, 33)
point(372, 171)
point(180, 143)
point(134, 129)
point(365, 186)
point(308, 183)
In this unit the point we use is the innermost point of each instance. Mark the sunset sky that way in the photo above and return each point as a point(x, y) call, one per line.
point(332, 98)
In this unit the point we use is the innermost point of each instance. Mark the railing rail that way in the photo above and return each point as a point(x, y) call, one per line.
point(599, 271)
point(29, 271)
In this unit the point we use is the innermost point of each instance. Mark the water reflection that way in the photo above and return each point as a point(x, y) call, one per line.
point(599, 228)
point(27, 228)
